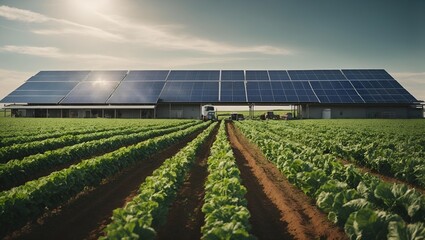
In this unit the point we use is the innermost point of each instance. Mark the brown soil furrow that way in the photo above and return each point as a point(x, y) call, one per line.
point(274, 202)
point(88, 215)
point(185, 218)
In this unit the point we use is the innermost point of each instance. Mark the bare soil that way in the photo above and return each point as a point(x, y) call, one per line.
point(185, 218)
point(278, 209)
point(87, 215)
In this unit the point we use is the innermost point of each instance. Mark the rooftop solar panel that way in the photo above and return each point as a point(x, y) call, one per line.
point(367, 74)
point(278, 75)
point(137, 92)
point(233, 92)
point(147, 75)
point(101, 76)
point(190, 92)
point(252, 75)
point(59, 76)
point(183, 75)
point(44, 99)
point(316, 75)
point(91, 92)
point(232, 75)
point(48, 86)
point(335, 92)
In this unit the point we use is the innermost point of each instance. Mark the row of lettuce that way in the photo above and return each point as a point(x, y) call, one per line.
point(16, 172)
point(367, 207)
point(394, 148)
point(17, 130)
point(26, 202)
point(18, 151)
point(226, 214)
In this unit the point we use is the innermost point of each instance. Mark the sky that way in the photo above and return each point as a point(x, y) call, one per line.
point(216, 34)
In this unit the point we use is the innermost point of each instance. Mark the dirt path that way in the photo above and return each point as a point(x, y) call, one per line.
point(86, 217)
point(185, 217)
point(278, 209)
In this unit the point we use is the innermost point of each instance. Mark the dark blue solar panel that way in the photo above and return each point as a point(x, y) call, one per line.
point(280, 91)
point(316, 75)
point(59, 76)
point(147, 75)
point(32, 99)
point(232, 75)
point(190, 92)
point(183, 75)
point(233, 92)
point(335, 92)
point(367, 74)
point(64, 86)
point(256, 75)
point(91, 92)
point(382, 91)
point(40, 93)
point(278, 75)
point(137, 92)
point(101, 76)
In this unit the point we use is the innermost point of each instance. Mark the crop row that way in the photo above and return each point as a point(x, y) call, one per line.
point(225, 206)
point(148, 210)
point(18, 151)
point(18, 139)
point(366, 206)
point(385, 154)
point(15, 172)
point(28, 201)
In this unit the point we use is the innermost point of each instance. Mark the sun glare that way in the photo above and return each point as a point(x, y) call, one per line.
point(91, 5)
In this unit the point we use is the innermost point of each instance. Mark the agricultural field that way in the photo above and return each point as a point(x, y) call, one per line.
point(188, 179)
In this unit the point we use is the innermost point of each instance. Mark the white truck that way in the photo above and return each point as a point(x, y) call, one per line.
point(208, 113)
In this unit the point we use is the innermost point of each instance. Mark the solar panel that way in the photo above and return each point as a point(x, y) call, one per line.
point(232, 75)
point(91, 92)
point(190, 92)
point(147, 75)
point(137, 92)
point(367, 74)
point(278, 75)
point(257, 75)
point(316, 75)
point(382, 91)
point(280, 91)
point(65, 86)
point(102, 76)
point(32, 99)
point(61, 76)
point(233, 92)
point(335, 92)
point(183, 75)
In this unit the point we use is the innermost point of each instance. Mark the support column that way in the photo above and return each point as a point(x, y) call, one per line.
point(47, 113)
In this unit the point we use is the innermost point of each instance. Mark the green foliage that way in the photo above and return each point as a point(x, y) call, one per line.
point(28, 201)
point(225, 206)
point(148, 210)
point(340, 190)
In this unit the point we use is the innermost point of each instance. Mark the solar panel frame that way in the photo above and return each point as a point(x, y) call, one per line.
point(147, 75)
point(232, 75)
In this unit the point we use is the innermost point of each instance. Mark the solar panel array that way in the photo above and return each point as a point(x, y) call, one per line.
point(211, 86)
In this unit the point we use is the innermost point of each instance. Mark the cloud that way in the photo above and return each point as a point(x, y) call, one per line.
point(21, 15)
point(126, 31)
point(414, 82)
point(166, 37)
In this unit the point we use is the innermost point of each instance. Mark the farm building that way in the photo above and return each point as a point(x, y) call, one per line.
point(359, 93)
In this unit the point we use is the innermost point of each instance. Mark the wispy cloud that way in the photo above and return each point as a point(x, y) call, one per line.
point(106, 61)
point(127, 31)
point(61, 26)
point(166, 37)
